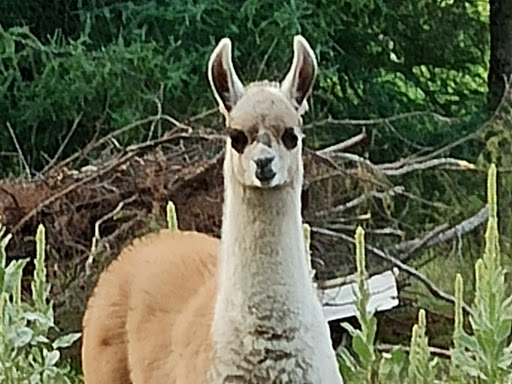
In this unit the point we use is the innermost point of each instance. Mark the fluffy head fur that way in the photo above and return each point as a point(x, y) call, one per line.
point(263, 119)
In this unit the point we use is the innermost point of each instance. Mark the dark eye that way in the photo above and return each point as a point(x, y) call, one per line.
point(239, 140)
point(289, 138)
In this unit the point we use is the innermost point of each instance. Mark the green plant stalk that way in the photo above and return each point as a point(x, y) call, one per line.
point(421, 367)
point(361, 367)
point(485, 355)
point(366, 319)
point(306, 229)
point(39, 284)
point(455, 371)
point(172, 217)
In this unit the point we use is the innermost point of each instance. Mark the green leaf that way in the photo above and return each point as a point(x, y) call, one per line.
point(66, 340)
point(364, 352)
point(41, 318)
point(13, 274)
point(51, 358)
point(350, 329)
point(21, 337)
point(348, 360)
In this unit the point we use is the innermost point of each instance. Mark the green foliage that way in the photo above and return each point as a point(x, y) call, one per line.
point(27, 353)
point(361, 367)
point(104, 62)
point(482, 356)
point(44, 88)
point(486, 354)
point(421, 366)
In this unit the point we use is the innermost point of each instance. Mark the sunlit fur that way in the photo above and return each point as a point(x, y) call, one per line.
point(150, 317)
point(184, 308)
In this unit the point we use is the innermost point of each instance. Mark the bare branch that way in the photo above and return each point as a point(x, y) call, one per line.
point(432, 288)
point(361, 199)
point(95, 144)
point(201, 115)
point(372, 231)
point(22, 160)
point(435, 163)
point(158, 116)
point(265, 58)
point(63, 145)
point(383, 120)
point(355, 158)
point(97, 235)
point(344, 145)
point(404, 139)
point(441, 234)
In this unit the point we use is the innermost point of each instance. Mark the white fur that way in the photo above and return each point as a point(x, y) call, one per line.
point(268, 325)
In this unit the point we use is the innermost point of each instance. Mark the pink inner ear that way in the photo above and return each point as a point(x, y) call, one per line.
point(220, 77)
point(304, 78)
point(221, 82)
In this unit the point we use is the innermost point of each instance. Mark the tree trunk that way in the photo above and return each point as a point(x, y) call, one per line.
point(500, 67)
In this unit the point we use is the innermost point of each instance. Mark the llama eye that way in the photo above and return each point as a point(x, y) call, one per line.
point(289, 138)
point(239, 140)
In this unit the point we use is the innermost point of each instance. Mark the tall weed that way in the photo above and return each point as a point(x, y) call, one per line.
point(28, 352)
point(482, 355)
point(485, 354)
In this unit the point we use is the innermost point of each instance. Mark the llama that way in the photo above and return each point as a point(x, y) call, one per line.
point(184, 308)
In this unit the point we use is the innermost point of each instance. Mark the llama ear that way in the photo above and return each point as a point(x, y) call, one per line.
point(226, 85)
point(298, 83)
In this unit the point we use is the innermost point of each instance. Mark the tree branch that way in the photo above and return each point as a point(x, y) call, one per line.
point(23, 162)
point(431, 287)
point(440, 234)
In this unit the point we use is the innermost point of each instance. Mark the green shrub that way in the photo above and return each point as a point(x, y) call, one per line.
point(482, 356)
point(28, 353)
point(44, 88)
point(485, 355)
point(105, 61)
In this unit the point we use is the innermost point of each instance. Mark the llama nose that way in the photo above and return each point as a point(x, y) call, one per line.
point(264, 171)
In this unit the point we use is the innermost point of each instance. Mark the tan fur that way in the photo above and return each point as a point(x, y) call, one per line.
point(151, 313)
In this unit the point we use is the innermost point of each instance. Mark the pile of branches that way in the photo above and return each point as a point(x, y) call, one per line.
point(92, 211)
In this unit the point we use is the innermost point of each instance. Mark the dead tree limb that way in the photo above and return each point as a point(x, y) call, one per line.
point(70, 188)
point(457, 164)
point(63, 145)
point(431, 287)
point(361, 199)
point(344, 145)
point(440, 234)
point(383, 120)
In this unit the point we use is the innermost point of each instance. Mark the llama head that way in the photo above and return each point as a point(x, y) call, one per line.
point(263, 120)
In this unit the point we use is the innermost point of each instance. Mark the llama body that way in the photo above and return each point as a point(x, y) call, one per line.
point(184, 308)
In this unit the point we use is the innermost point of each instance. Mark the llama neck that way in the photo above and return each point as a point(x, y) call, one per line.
point(268, 322)
point(262, 253)
point(264, 276)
